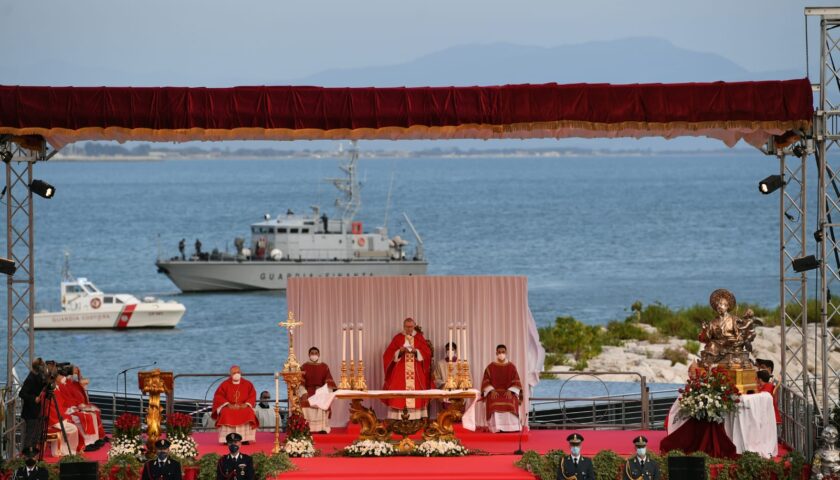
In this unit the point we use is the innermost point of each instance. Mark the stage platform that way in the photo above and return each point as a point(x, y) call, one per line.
point(496, 464)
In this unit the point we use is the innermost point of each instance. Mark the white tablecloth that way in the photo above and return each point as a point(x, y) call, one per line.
point(752, 427)
point(323, 398)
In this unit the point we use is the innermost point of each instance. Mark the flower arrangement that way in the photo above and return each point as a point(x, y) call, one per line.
point(127, 440)
point(441, 448)
point(299, 448)
point(707, 397)
point(183, 448)
point(298, 437)
point(369, 448)
point(178, 425)
point(127, 425)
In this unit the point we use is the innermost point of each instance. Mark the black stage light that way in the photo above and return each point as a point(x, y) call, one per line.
point(7, 266)
point(770, 184)
point(799, 150)
point(803, 264)
point(42, 188)
point(6, 156)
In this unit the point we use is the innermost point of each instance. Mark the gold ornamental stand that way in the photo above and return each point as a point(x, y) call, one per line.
point(154, 383)
point(291, 373)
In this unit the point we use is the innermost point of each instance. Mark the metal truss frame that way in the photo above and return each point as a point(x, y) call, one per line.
point(20, 287)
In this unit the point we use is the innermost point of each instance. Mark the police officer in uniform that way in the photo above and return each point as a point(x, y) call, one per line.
point(30, 470)
point(574, 466)
point(235, 465)
point(161, 467)
point(641, 467)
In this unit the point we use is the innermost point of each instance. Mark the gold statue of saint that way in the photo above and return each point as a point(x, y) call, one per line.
point(727, 338)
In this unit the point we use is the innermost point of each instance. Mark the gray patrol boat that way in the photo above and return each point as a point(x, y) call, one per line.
point(302, 246)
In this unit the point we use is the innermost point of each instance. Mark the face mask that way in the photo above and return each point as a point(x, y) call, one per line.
point(233, 448)
point(641, 451)
point(162, 456)
point(576, 451)
point(501, 357)
point(313, 358)
point(30, 462)
point(236, 377)
point(264, 402)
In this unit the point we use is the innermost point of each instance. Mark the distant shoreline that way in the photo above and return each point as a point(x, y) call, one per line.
point(170, 155)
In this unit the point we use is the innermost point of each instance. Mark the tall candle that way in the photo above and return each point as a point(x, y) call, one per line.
point(343, 342)
point(276, 388)
point(351, 341)
point(461, 339)
point(464, 348)
point(361, 344)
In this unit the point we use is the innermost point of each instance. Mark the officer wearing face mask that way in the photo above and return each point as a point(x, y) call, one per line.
point(235, 465)
point(641, 467)
point(574, 466)
point(30, 470)
point(161, 467)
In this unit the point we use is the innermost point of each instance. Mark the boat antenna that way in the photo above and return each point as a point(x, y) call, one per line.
point(388, 198)
point(351, 200)
point(66, 276)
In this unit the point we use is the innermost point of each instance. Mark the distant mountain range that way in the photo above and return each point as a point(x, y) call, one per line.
point(629, 60)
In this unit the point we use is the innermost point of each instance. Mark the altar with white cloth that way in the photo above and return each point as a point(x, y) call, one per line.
point(751, 427)
point(371, 427)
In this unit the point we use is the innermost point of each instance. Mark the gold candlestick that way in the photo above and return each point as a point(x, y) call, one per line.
point(351, 374)
point(276, 448)
point(465, 382)
point(360, 383)
point(292, 374)
point(344, 383)
point(451, 378)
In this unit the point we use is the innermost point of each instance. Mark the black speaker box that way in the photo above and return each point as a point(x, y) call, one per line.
point(687, 468)
point(78, 471)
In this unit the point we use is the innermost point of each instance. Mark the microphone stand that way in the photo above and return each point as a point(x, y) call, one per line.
point(519, 451)
point(124, 374)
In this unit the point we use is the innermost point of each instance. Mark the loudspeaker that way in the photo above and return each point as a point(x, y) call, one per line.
point(78, 471)
point(687, 468)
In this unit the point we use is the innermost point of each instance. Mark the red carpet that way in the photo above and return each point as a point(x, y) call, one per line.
point(497, 465)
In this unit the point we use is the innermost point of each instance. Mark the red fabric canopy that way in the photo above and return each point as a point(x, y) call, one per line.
point(728, 111)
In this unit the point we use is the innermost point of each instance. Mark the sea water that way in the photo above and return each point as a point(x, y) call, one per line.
point(592, 234)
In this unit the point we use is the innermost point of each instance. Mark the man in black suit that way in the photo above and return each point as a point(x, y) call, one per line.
point(30, 470)
point(161, 467)
point(574, 466)
point(30, 413)
point(235, 465)
point(641, 467)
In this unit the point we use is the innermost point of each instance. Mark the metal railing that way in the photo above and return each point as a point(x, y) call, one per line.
point(641, 410)
point(799, 421)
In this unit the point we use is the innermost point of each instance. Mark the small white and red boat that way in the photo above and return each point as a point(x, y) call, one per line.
point(85, 306)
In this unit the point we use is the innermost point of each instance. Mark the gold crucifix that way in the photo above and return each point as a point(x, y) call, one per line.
point(291, 364)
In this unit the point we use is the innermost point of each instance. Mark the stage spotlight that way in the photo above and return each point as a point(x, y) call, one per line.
point(6, 156)
point(770, 184)
point(803, 264)
point(799, 150)
point(42, 188)
point(7, 266)
point(818, 236)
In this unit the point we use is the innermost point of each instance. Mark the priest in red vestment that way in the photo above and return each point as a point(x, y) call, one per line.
point(316, 375)
point(233, 407)
point(501, 388)
point(60, 398)
point(85, 416)
point(407, 362)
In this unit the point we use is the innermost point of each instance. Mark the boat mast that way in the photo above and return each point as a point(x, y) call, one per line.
point(351, 200)
point(66, 276)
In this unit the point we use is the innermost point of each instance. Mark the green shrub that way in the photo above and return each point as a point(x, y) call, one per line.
point(537, 464)
point(207, 466)
point(569, 336)
point(607, 464)
point(266, 466)
point(618, 332)
point(130, 467)
point(675, 355)
point(692, 347)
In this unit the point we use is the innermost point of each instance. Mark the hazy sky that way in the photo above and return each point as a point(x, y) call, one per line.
point(204, 42)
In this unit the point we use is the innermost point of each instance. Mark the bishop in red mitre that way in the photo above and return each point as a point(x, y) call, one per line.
point(233, 407)
point(316, 374)
point(407, 362)
point(500, 387)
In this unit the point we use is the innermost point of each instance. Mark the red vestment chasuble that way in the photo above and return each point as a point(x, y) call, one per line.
point(408, 372)
point(501, 376)
point(315, 375)
point(241, 397)
point(87, 418)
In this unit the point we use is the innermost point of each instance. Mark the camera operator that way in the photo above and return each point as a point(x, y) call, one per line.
point(30, 393)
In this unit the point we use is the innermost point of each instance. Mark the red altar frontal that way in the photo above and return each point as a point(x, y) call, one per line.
point(495, 462)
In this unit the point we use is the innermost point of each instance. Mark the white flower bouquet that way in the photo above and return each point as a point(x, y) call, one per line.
point(126, 446)
point(369, 448)
point(300, 447)
point(183, 447)
point(708, 397)
point(441, 448)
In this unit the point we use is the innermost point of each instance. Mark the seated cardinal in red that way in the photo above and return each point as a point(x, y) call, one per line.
point(407, 362)
point(233, 407)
